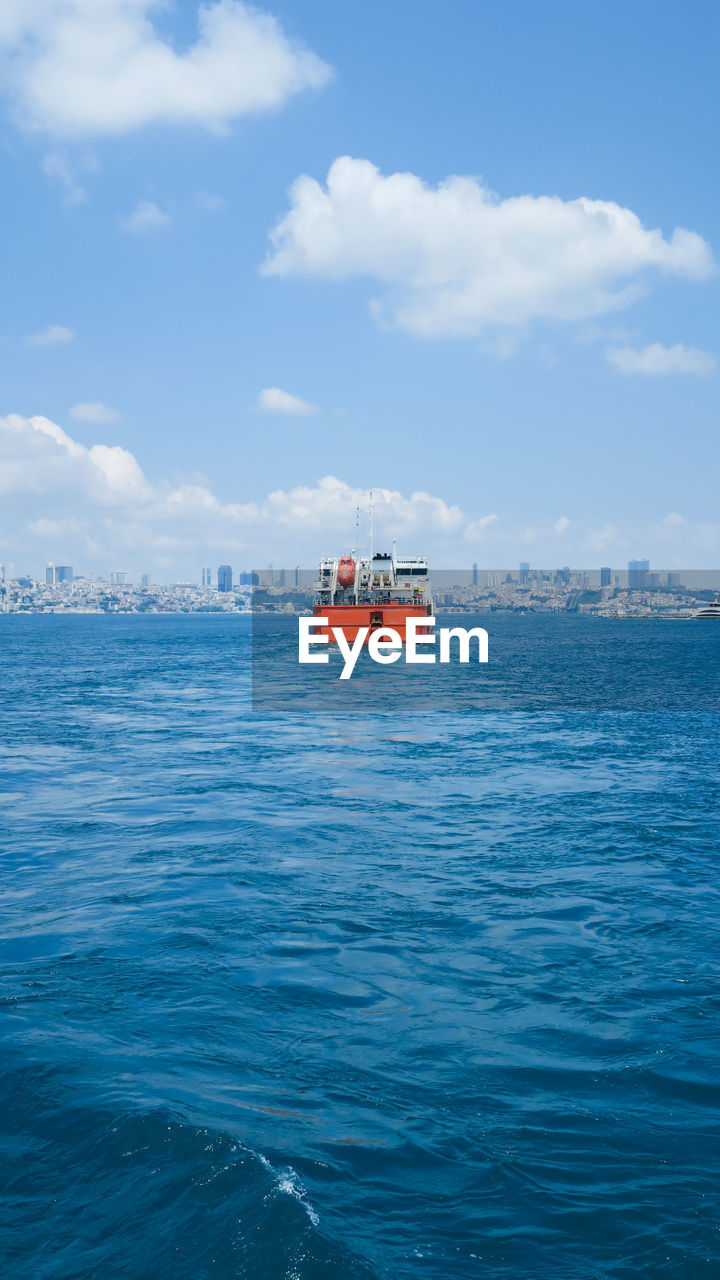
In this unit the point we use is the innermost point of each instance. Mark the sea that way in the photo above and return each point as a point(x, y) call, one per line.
point(424, 992)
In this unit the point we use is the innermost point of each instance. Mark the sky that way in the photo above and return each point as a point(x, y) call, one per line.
point(258, 262)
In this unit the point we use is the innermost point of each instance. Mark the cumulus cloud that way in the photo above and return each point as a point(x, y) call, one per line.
point(276, 401)
point(51, 336)
point(455, 259)
point(93, 505)
point(79, 67)
point(146, 216)
point(657, 359)
point(94, 411)
point(330, 503)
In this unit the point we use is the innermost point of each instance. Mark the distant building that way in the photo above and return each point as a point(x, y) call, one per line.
point(674, 580)
point(250, 579)
point(637, 571)
point(281, 579)
point(224, 578)
point(605, 576)
point(652, 581)
point(63, 573)
point(50, 575)
point(207, 577)
point(297, 576)
point(524, 573)
point(475, 575)
point(118, 577)
point(145, 580)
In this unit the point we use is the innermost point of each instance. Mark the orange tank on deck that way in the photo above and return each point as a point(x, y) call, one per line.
point(351, 617)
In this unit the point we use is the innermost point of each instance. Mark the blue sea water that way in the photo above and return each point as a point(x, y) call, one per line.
point(368, 996)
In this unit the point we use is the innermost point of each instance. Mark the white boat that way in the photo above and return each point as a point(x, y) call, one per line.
point(709, 610)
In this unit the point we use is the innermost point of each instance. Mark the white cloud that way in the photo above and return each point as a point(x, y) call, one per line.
point(97, 504)
point(56, 166)
point(332, 503)
point(276, 401)
point(476, 529)
point(94, 507)
point(94, 411)
point(456, 258)
point(49, 337)
point(145, 217)
point(81, 67)
point(657, 359)
point(561, 524)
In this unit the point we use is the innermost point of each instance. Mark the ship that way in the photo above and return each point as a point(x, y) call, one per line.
point(709, 610)
point(377, 592)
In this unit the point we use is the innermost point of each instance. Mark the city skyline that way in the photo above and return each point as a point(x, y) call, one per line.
point(637, 575)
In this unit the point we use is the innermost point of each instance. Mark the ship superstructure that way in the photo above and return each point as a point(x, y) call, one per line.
point(709, 610)
point(381, 590)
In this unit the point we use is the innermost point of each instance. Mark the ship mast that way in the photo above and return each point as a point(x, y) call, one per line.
point(357, 554)
point(371, 530)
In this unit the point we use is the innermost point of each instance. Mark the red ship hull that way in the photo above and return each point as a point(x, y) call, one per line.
point(351, 617)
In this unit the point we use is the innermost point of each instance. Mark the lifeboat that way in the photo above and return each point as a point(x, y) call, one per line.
point(346, 572)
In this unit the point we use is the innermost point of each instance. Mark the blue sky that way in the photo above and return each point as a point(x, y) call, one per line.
point(542, 376)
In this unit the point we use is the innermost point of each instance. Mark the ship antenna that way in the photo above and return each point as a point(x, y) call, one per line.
point(371, 529)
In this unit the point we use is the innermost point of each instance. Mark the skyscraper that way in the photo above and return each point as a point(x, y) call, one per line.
point(63, 573)
point(224, 578)
point(144, 579)
point(605, 576)
point(524, 572)
point(207, 577)
point(637, 570)
point(475, 575)
point(50, 575)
